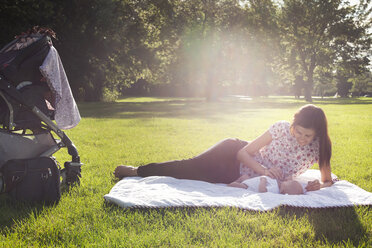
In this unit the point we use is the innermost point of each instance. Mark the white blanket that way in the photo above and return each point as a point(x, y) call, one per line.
point(158, 192)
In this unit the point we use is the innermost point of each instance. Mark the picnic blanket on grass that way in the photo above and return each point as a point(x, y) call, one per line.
point(160, 192)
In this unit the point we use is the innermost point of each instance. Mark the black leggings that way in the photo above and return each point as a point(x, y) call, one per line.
point(218, 164)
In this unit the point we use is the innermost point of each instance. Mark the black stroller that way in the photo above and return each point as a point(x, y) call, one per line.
point(29, 102)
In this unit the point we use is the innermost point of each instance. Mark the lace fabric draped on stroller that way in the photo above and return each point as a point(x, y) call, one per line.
point(34, 91)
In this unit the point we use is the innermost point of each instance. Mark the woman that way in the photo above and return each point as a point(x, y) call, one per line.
point(282, 152)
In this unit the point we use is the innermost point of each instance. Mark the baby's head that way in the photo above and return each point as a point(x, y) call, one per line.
point(291, 187)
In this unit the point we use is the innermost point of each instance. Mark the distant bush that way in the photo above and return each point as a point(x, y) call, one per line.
point(109, 95)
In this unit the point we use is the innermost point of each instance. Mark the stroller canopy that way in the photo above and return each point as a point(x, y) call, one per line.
point(32, 60)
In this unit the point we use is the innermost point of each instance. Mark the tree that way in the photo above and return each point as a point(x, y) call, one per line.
point(261, 45)
point(362, 84)
point(201, 58)
point(298, 86)
point(198, 47)
point(342, 84)
point(19, 16)
point(104, 45)
point(319, 33)
point(324, 82)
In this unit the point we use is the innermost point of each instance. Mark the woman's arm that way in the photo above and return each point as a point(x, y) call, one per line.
point(245, 156)
point(325, 177)
point(242, 178)
point(238, 185)
point(238, 182)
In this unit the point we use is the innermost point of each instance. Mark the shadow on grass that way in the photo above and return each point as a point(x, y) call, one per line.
point(13, 212)
point(191, 108)
point(173, 109)
point(170, 109)
point(343, 101)
point(332, 225)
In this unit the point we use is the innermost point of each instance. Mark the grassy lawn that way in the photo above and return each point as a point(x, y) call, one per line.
point(141, 130)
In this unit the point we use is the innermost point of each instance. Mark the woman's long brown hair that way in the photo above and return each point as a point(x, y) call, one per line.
point(312, 117)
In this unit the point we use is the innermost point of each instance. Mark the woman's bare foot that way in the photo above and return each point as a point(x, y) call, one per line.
point(125, 171)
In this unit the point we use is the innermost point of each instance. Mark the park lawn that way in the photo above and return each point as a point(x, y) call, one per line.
point(141, 130)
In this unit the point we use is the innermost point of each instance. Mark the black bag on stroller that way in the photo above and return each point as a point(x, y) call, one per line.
point(32, 180)
point(29, 102)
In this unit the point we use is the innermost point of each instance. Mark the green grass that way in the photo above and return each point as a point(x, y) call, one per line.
point(141, 130)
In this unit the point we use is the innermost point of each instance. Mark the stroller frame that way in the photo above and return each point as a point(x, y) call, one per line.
point(71, 172)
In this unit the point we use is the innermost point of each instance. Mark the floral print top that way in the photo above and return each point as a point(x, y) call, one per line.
point(284, 152)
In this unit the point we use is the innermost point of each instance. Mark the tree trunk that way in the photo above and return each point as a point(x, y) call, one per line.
point(308, 89)
point(308, 97)
point(310, 81)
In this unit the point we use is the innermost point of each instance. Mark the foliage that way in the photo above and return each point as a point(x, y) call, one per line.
point(362, 84)
point(343, 85)
point(319, 34)
point(199, 48)
point(109, 95)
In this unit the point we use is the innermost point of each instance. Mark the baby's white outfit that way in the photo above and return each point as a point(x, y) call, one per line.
point(271, 185)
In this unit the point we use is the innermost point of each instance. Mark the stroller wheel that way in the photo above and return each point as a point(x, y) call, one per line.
point(73, 174)
point(70, 175)
point(73, 177)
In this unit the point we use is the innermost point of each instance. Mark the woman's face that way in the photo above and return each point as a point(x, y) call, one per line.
point(303, 135)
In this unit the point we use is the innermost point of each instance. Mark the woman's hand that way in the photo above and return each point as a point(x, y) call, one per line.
point(274, 172)
point(313, 185)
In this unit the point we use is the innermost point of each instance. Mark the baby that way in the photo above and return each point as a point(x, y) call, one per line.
point(268, 184)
